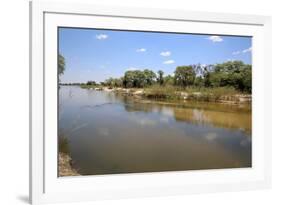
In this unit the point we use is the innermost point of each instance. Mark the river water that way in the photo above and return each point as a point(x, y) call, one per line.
point(108, 133)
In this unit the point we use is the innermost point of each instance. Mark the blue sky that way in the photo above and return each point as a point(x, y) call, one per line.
point(94, 54)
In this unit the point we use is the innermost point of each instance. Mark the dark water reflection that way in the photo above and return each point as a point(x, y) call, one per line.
point(109, 133)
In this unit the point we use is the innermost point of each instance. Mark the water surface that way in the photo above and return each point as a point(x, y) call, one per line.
point(109, 133)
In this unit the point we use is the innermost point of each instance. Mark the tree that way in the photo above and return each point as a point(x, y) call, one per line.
point(247, 79)
point(168, 80)
point(234, 74)
point(160, 78)
point(119, 82)
point(184, 76)
point(149, 76)
point(138, 78)
point(129, 79)
point(109, 82)
point(91, 83)
point(61, 64)
point(199, 81)
point(113, 82)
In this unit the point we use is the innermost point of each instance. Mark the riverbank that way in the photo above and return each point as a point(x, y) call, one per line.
point(220, 95)
point(65, 168)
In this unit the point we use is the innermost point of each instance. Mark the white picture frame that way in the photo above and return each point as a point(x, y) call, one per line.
point(46, 187)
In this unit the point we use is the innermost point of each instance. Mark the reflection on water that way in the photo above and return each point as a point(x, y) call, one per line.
point(109, 133)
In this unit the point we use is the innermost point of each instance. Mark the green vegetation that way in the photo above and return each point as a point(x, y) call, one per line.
point(63, 144)
point(192, 93)
point(93, 83)
point(61, 64)
point(227, 76)
point(138, 78)
point(89, 86)
point(184, 76)
point(160, 78)
point(234, 74)
point(219, 82)
point(157, 91)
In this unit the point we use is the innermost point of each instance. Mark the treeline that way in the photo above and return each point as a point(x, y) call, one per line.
point(234, 74)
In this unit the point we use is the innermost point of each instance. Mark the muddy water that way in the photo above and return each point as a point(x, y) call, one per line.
point(109, 133)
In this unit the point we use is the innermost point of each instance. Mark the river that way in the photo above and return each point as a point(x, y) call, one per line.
point(108, 133)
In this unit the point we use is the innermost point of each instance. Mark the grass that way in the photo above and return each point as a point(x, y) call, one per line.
point(194, 93)
point(65, 161)
point(213, 94)
point(89, 86)
point(215, 91)
point(162, 92)
point(63, 145)
point(170, 92)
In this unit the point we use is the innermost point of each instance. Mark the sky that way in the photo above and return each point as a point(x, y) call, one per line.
point(95, 54)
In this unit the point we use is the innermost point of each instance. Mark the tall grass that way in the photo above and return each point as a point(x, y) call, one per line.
point(162, 92)
point(194, 93)
point(63, 145)
point(171, 92)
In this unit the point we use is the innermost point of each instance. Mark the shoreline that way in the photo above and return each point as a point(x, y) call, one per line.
point(65, 168)
point(150, 94)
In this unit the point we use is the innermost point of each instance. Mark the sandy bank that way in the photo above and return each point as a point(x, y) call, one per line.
point(65, 168)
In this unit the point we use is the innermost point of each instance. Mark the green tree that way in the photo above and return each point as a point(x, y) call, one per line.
point(168, 80)
point(149, 76)
point(184, 76)
point(113, 82)
point(119, 82)
point(234, 74)
point(206, 79)
point(138, 78)
point(199, 81)
point(61, 64)
point(160, 78)
point(91, 83)
point(247, 79)
point(129, 79)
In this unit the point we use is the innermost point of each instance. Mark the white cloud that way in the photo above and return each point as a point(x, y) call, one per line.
point(165, 53)
point(215, 39)
point(236, 52)
point(243, 51)
point(141, 50)
point(169, 62)
point(247, 50)
point(101, 36)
